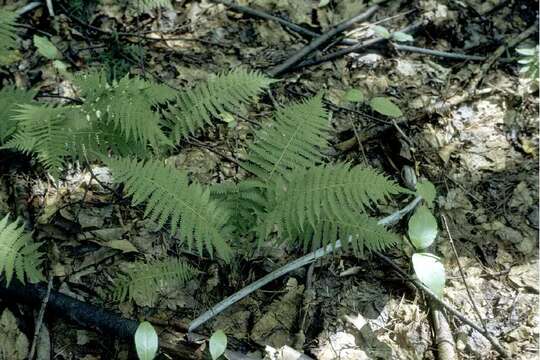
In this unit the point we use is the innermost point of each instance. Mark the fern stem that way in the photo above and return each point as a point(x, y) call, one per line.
point(298, 263)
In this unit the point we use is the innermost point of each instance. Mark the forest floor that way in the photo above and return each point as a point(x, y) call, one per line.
point(479, 146)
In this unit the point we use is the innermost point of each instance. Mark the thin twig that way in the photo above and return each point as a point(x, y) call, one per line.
point(444, 54)
point(497, 54)
point(462, 274)
point(319, 41)
point(39, 319)
point(298, 263)
point(50, 7)
point(496, 345)
point(28, 7)
point(354, 48)
point(264, 15)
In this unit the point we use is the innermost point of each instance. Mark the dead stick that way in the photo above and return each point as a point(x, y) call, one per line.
point(497, 54)
point(298, 263)
point(447, 306)
point(321, 40)
point(39, 319)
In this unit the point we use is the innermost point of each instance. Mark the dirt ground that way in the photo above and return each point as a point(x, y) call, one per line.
point(479, 150)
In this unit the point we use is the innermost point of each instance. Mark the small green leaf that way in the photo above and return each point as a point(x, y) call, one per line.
point(402, 37)
point(422, 228)
point(46, 48)
point(227, 117)
point(426, 190)
point(218, 344)
point(382, 31)
point(430, 271)
point(386, 107)
point(526, 51)
point(354, 95)
point(323, 3)
point(146, 341)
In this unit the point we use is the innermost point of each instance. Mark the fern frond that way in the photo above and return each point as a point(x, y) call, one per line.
point(245, 200)
point(223, 93)
point(170, 198)
point(8, 36)
point(358, 231)
point(324, 201)
point(41, 130)
point(146, 279)
point(19, 255)
point(126, 105)
point(295, 140)
point(10, 99)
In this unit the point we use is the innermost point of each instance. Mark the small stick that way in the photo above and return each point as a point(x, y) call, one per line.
point(298, 263)
point(355, 48)
point(319, 41)
point(447, 306)
point(39, 319)
point(462, 274)
point(497, 54)
point(50, 7)
point(264, 15)
point(28, 7)
point(444, 54)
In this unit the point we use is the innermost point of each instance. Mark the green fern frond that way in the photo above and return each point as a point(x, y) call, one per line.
point(41, 130)
point(127, 105)
point(245, 200)
point(170, 198)
point(19, 255)
point(324, 201)
point(146, 279)
point(295, 140)
point(10, 99)
point(8, 36)
point(357, 231)
point(223, 93)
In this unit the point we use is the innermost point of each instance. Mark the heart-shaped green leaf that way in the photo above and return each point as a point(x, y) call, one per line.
point(422, 228)
point(402, 37)
point(146, 341)
point(382, 31)
point(426, 190)
point(354, 95)
point(46, 48)
point(430, 271)
point(218, 344)
point(386, 107)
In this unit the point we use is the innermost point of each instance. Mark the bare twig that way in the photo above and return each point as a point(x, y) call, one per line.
point(319, 41)
point(50, 7)
point(443, 54)
point(298, 263)
point(446, 347)
point(39, 319)
point(497, 54)
point(496, 345)
point(28, 7)
point(462, 274)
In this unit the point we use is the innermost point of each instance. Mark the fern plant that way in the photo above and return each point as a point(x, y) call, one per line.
point(146, 278)
point(8, 36)
point(19, 255)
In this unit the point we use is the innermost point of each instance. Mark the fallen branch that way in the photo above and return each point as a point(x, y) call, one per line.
point(298, 263)
point(321, 40)
point(92, 317)
point(496, 345)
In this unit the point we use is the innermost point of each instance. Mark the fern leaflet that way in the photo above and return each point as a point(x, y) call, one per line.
point(170, 198)
point(19, 255)
point(146, 279)
point(8, 37)
point(294, 141)
point(225, 92)
point(10, 98)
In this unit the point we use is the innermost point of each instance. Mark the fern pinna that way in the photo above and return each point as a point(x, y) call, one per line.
point(19, 255)
point(170, 198)
point(8, 36)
